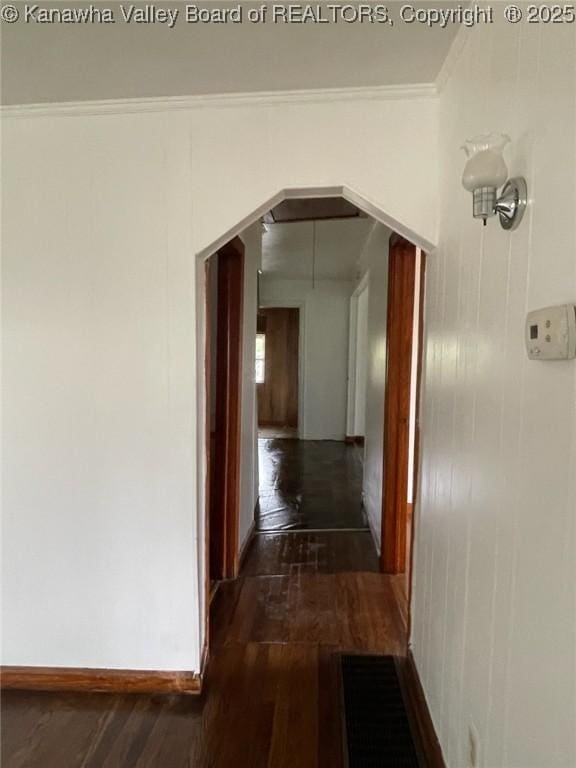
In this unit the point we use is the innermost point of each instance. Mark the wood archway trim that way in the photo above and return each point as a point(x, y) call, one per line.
point(224, 444)
point(399, 343)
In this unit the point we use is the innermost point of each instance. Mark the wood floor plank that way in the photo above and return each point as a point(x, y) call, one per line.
point(295, 730)
point(277, 554)
point(78, 716)
point(239, 710)
point(20, 713)
point(330, 715)
point(271, 695)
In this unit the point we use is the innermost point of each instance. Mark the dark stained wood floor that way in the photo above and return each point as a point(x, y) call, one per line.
point(271, 696)
point(309, 484)
point(281, 554)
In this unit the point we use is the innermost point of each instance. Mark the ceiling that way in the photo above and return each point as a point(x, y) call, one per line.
point(310, 208)
point(54, 62)
point(287, 249)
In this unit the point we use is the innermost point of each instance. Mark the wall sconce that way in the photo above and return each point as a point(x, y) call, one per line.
point(485, 172)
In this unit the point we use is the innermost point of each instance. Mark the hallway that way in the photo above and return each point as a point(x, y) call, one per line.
point(275, 640)
point(309, 485)
point(271, 695)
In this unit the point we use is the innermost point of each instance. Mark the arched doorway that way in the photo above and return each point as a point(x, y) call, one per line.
point(394, 512)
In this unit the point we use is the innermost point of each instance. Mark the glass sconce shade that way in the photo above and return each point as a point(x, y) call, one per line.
point(485, 172)
point(486, 167)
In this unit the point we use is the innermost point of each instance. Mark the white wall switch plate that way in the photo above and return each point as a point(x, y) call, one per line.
point(551, 333)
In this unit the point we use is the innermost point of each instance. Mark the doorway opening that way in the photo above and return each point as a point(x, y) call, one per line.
point(314, 319)
point(277, 364)
point(346, 385)
point(310, 479)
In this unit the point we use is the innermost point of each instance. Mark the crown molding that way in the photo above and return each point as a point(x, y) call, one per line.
point(261, 99)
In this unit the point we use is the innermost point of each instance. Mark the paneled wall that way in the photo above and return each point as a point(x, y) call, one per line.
point(494, 622)
point(374, 261)
point(252, 238)
point(105, 208)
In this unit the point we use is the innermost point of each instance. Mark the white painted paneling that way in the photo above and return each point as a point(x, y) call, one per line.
point(243, 156)
point(103, 433)
point(252, 239)
point(352, 344)
point(361, 364)
point(324, 357)
point(99, 543)
point(374, 259)
point(494, 622)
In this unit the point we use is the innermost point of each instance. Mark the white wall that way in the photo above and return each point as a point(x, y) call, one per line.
point(323, 353)
point(374, 262)
point(252, 239)
point(494, 622)
point(352, 350)
point(242, 143)
point(361, 372)
point(105, 209)
point(357, 358)
point(99, 543)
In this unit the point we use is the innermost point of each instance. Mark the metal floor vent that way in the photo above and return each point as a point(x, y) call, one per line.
point(378, 731)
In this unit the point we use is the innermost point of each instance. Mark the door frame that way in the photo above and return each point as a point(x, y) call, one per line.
point(301, 306)
point(399, 343)
point(418, 394)
point(222, 520)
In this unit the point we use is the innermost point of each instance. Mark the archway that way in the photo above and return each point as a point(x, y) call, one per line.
point(291, 193)
point(361, 203)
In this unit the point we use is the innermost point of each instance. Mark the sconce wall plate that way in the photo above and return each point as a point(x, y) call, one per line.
point(512, 203)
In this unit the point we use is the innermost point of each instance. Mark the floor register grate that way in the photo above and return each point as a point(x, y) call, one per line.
point(378, 731)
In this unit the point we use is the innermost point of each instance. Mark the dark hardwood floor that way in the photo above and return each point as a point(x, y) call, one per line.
point(309, 484)
point(271, 697)
point(281, 554)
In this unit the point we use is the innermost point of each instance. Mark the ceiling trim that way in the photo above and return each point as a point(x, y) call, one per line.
point(263, 99)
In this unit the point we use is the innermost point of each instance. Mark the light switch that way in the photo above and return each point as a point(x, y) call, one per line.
point(551, 333)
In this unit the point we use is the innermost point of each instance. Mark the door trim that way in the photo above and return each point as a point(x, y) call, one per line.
point(399, 342)
point(418, 394)
point(224, 509)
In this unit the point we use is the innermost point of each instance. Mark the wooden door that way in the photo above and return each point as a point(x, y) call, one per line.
point(400, 332)
point(223, 407)
point(278, 394)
